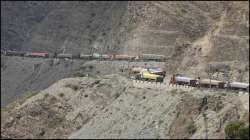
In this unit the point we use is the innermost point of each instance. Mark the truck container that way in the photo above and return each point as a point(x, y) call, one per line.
point(213, 83)
point(239, 85)
point(85, 56)
point(146, 75)
point(153, 57)
point(106, 56)
point(158, 71)
point(64, 55)
point(37, 54)
point(96, 56)
point(121, 57)
point(15, 53)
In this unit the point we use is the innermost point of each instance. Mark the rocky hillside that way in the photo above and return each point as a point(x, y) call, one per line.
point(51, 26)
point(21, 75)
point(111, 107)
point(195, 36)
point(191, 34)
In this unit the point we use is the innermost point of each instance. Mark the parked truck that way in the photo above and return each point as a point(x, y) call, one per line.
point(148, 76)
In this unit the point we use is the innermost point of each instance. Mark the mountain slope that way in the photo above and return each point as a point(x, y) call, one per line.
point(191, 34)
point(111, 107)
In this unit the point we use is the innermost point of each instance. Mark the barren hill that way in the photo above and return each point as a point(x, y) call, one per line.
point(112, 107)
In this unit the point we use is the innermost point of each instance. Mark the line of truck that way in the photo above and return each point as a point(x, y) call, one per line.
point(98, 56)
point(158, 74)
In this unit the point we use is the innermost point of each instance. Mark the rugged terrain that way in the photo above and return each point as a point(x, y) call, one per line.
point(112, 107)
point(193, 35)
point(20, 75)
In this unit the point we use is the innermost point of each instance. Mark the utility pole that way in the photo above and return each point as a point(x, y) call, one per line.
point(64, 45)
point(111, 44)
point(229, 76)
point(210, 75)
point(217, 76)
point(205, 120)
point(209, 44)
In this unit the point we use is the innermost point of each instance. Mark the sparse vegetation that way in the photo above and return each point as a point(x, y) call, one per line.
point(53, 99)
point(61, 94)
point(182, 46)
point(79, 74)
point(57, 119)
point(178, 113)
point(184, 120)
point(72, 86)
point(191, 128)
point(116, 95)
point(236, 130)
point(161, 121)
point(46, 95)
point(91, 67)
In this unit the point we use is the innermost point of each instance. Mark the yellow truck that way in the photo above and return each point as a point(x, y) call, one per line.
point(146, 75)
